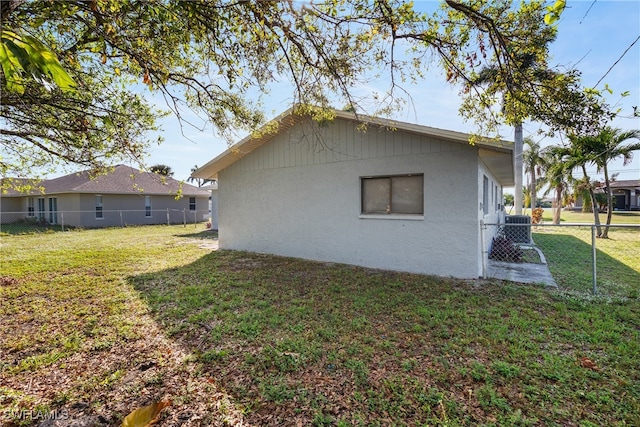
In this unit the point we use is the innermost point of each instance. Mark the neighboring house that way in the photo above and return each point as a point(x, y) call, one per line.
point(213, 203)
point(579, 202)
point(626, 195)
point(125, 196)
point(397, 196)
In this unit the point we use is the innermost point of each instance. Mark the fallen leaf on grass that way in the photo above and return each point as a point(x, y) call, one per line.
point(585, 362)
point(145, 416)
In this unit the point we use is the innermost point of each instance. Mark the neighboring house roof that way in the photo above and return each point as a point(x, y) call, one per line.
point(122, 180)
point(629, 183)
point(29, 187)
point(488, 149)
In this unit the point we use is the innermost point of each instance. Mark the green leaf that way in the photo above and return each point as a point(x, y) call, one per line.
point(12, 69)
point(554, 12)
point(25, 54)
point(47, 62)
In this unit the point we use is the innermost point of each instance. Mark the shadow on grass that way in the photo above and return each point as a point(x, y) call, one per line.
point(206, 234)
point(309, 343)
point(305, 343)
point(570, 262)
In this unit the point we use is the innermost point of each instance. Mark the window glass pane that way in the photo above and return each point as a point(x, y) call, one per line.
point(147, 205)
point(98, 206)
point(53, 210)
point(375, 195)
point(485, 195)
point(407, 194)
point(41, 209)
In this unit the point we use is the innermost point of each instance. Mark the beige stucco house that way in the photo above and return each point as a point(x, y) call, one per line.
point(125, 196)
point(395, 195)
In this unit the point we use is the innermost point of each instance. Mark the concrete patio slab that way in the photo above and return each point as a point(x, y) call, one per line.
point(521, 272)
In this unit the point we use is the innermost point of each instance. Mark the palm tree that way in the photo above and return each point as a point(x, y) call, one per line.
point(199, 181)
point(517, 155)
point(609, 145)
point(163, 170)
point(526, 198)
point(578, 155)
point(533, 165)
point(191, 178)
point(490, 75)
point(557, 177)
point(529, 67)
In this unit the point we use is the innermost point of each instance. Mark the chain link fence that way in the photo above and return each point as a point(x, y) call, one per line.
point(576, 257)
point(36, 222)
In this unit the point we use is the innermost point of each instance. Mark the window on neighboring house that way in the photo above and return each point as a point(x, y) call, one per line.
point(192, 203)
point(398, 194)
point(31, 207)
point(147, 206)
point(496, 204)
point(99, 214)
point(41, 209)
point(53, 210)
point(485, 195)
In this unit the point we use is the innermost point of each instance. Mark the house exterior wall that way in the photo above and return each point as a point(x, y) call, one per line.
point(214, 209)
point(17, 208)
point(120, 210)
point(492, 214)
point(300, 195)
point(79, 210)
point(8, 207)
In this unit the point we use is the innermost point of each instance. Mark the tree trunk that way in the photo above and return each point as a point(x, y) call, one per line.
point(7, 8)
point(517, 166)
point(533, 189)
point(605, 235)
point(557, 205)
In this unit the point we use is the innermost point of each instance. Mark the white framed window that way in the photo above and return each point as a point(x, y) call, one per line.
point(147, 206)
point(493, 193)
point(53, 210)
point(31, 207)
point(192, 203)
point(393, 194)
point(99, 213)
point(41, 209)
point(485, 195)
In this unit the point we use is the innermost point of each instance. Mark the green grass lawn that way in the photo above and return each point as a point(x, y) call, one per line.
point(587, 217)
point(568, 252)
point(94, 324)
point(23, 227)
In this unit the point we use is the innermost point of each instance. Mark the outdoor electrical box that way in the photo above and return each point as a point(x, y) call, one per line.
point(518, 228)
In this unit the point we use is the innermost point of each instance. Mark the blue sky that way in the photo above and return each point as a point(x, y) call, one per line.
point(592, 36)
